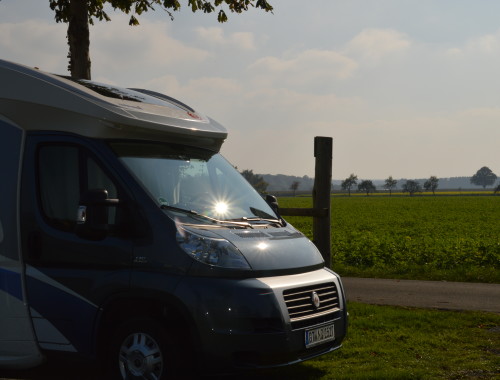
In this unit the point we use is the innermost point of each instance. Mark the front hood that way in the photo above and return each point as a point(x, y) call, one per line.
point(273, 248)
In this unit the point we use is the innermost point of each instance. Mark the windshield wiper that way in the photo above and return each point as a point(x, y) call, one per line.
point(275, 222)
point(240, 224)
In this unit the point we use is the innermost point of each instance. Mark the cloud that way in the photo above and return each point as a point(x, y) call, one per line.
point(214, 96)
point(140, 50)
point(118, 51)
point(35, 43)
point(371, 45)
point(304, 70)
point(482, 47)
point(215, 36)
point(488, 44)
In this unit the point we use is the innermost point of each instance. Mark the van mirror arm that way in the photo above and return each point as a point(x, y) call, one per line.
point(272, 201)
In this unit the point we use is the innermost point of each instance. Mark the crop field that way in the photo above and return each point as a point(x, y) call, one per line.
point(454, 238)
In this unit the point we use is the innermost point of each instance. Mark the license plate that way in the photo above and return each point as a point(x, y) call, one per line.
point(319, 335)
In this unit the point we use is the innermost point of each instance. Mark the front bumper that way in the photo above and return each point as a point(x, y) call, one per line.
point(247, 323)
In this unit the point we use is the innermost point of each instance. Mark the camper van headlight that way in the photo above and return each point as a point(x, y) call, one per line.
point(209, 250)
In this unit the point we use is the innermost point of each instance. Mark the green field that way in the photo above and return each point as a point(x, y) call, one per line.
point(454, 238)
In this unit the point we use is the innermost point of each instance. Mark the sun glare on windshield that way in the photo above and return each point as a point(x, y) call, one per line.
point(221, 208)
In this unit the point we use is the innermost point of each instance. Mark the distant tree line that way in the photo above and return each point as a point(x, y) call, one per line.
point(282, 182)
point(265, 183)
point(256, 180)
point(483, 177)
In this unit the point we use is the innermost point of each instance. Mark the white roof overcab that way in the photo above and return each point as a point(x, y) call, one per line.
point(36, 100)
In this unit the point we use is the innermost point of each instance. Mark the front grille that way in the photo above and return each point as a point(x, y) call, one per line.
point(301, 309)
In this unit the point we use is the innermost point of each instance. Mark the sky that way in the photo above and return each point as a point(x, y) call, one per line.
point(406, 88)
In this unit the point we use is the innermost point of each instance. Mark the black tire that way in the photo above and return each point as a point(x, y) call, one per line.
point(143, 349)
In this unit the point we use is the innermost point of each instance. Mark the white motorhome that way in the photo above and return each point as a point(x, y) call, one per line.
point(126, 237)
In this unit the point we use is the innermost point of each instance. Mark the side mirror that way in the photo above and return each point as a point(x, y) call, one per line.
point(273, 202)
point(92, 221)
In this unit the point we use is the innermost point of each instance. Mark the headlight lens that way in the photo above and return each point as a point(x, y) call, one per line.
point(213, 251)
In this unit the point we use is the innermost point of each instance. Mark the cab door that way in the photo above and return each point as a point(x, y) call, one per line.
point(70, 275)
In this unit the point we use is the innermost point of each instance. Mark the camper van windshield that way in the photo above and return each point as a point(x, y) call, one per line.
point(191, 179)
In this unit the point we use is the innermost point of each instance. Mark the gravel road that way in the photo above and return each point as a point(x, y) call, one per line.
point(424, 294)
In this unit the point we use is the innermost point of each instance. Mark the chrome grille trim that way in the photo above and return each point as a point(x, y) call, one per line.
point(301, 309)
point(315, 315)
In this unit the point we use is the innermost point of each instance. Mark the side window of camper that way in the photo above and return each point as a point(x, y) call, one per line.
point(65, 172)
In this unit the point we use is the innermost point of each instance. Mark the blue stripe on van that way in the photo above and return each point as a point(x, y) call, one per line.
point(10, 282)
point(71, 315)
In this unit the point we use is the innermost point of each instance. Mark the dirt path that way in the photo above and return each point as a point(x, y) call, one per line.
point(424, 294)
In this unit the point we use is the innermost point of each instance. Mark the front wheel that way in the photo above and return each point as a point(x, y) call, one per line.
point(143, 349)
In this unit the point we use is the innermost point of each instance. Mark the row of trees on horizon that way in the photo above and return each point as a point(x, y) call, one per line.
point(483, 177)
point(410, 186)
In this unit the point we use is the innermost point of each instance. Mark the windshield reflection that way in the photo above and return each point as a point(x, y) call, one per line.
point(193, 179)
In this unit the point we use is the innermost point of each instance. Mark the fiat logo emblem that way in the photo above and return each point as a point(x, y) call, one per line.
point(315, 299)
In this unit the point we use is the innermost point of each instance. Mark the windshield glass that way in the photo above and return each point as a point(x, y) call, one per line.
point(192, 179)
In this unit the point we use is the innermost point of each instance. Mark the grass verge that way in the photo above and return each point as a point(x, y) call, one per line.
point(404, 343)
point(384, 342)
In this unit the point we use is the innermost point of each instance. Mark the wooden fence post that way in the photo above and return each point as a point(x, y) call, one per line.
point(321, 196)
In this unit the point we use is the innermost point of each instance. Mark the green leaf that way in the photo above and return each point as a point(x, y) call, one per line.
point(133, 21)
point(222, 16)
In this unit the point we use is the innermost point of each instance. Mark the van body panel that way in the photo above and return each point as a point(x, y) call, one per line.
point(56, 310)
point(274, 248)
point(11, 145)
point(246, 324)
point(67, 276)
point(18, 347)
point(65, 106)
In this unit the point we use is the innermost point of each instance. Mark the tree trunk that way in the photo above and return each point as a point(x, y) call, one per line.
point(79, 39)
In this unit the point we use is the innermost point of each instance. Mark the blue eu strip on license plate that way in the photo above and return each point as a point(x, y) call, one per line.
point(319, 335)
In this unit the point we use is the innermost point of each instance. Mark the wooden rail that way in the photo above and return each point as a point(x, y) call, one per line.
point(303, 212)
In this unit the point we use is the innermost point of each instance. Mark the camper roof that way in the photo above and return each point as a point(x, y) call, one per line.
point(36, 100)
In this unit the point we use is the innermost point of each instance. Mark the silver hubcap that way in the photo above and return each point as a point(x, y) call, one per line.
point(140, 357)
